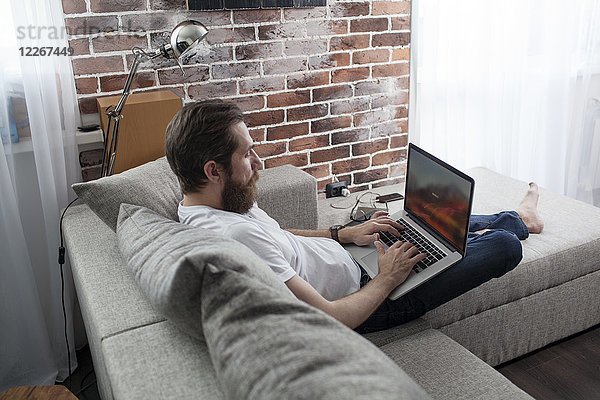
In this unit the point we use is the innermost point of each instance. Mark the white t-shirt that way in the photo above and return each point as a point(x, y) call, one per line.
point(322, 262)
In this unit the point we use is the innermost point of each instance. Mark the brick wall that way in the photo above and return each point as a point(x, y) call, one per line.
point(325, 88)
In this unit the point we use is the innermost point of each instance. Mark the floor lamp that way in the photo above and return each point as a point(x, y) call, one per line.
point(185, 38)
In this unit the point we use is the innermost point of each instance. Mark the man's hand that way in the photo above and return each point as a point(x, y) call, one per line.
point(396, 263)
point(366, 233)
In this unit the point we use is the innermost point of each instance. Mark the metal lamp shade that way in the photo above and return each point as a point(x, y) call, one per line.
point(185, 36)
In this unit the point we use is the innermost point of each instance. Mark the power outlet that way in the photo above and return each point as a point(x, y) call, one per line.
point(334, 189)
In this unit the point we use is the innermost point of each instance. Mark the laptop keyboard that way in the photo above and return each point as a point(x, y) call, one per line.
point(411, 235)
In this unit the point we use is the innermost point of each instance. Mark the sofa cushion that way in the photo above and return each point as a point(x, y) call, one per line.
point(152, 185)
point(264, 343)
point(568, 248)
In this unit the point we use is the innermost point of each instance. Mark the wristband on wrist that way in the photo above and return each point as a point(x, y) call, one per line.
point(334, 232)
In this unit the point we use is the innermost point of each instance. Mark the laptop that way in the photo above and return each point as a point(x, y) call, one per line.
point(437, 208)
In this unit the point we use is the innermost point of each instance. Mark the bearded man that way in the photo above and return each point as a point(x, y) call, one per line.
point(210, 150)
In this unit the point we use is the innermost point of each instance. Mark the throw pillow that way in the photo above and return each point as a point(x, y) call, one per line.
point(152, 185)
point(264, 343)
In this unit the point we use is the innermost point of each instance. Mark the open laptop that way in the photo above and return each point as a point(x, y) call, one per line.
point(437, 208)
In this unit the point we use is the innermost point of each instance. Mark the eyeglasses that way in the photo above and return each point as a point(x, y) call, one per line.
point(360, 215)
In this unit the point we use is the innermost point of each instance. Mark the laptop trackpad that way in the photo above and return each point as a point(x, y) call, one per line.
point(370, 263)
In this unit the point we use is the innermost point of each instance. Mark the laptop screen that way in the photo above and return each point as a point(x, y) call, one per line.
point(439, 195)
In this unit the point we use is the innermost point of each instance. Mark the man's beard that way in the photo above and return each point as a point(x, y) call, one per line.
point(239, 197)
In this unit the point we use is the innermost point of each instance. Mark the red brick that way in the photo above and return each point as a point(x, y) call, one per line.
point(361, 188)
point(400, 23)
point(269, 149)
point(398, 141)
point(117, 5)
point(329, 154)
point(369, 147)
point(111, 83)
point(369, 25)
point(329, 60)
point(257, 134)
point(391, 39)
point(340, 10)
point(347, 136)
point(258, 50)
point(305, 47)
point(330, 124)
point(388, 182)
point(86, 85)
point(168, 4)
point(291, 64)
point(332, 92)
point(304, 14)
point(394, 98)
point(311, 142)
point(91, 25)
point(287, 131)
point(389, 128)
point(398, 170)
point(230, 35)
point(144, 22)
point(350, 42)
point(252, 16)
point(236, 70)
point(369, 176)
point(391, 7)
point(370, 56)
point(117, 42)
point(326, 28)
point(289, 30)
point(308, 79)
point(250, 103)
point(270, 117)
point(349, 74)
point(80, 46)
point(192, 74)
point(212, 89)
point(350, 106)
point(262, 84)
point(389, 157)
point(209, 18)
point(401, 54)
point(395, 69)
point(88, 105)
point(308, 112)
point(354, 164)
point(73, 6)
point(373, 87)
point(97, 65)
point(298, 160)
point(374, 116)
point(287, 99)
point(318, 171)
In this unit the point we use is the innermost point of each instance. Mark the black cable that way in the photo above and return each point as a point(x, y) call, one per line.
point(85, 388)
point(61, 261)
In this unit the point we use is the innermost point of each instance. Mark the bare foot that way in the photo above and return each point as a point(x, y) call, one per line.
point(528, 210)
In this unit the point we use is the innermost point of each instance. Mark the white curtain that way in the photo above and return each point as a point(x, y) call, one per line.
point(513, 86)
point(35, 177)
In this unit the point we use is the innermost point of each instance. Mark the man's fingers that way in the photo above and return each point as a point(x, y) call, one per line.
point(379, 246)
point(379, 214)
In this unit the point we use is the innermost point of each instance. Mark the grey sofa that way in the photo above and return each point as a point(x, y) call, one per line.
point(140, 353)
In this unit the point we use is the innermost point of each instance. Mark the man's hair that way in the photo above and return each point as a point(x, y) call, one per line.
point(198, 133)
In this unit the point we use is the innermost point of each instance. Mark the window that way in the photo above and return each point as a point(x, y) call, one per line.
point(231, 4)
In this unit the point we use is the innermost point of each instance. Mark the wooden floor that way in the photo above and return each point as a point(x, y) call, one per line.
point(569, 369)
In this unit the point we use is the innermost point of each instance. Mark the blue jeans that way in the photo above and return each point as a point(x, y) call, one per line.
point(489, 255)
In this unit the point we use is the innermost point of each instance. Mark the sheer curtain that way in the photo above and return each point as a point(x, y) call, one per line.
point(38, 163)
point(511, 86)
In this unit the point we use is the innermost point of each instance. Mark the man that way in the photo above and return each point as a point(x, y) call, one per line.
point(209, 148)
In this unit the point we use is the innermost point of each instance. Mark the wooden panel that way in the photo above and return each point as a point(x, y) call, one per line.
point(205, 4)
point(142, 129)
point(277, 3)
point(242, 3)
point(310, 3)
